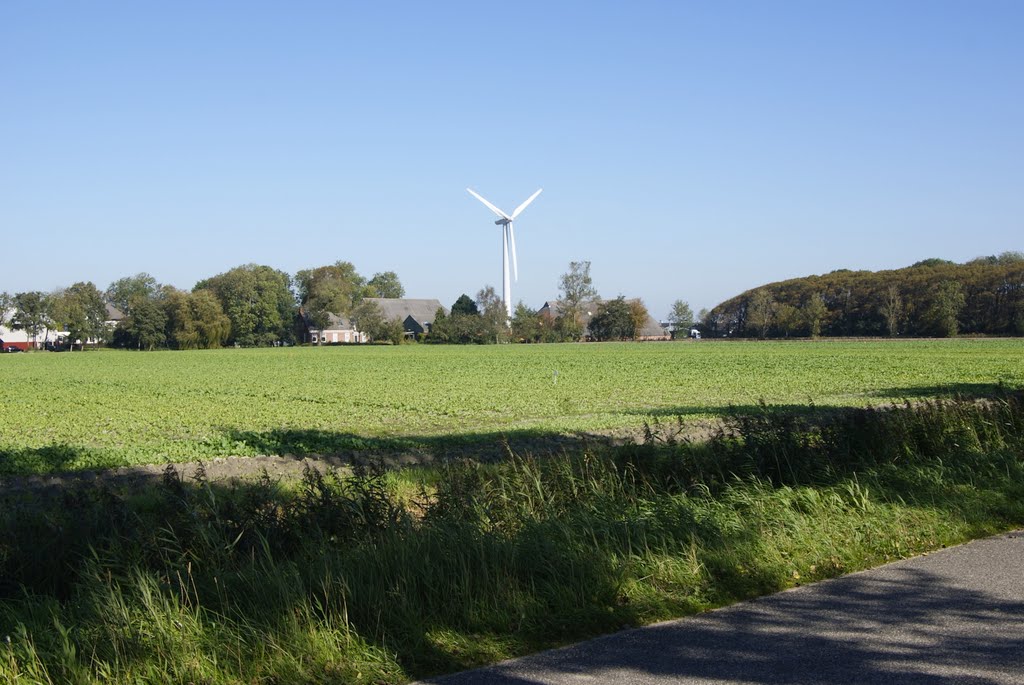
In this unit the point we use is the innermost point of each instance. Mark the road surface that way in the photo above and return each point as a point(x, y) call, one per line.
point(955, 616)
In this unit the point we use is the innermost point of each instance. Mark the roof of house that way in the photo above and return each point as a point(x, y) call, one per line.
point(422, 311)
point(113, 313)
point(334, 322)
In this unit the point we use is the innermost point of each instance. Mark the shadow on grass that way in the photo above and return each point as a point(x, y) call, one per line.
point(39, 459)
point(285, 452)
point(886, 397)
point(961, 391)
point(808, 409)
point(354, 448)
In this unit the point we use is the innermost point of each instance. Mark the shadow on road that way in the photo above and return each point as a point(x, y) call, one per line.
point(908, 626)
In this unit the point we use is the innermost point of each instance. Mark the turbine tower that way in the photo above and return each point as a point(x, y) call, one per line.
point(508, 242)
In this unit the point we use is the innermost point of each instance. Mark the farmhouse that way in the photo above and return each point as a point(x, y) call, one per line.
point(652, 329)
point(340, 329)
point(416, 316)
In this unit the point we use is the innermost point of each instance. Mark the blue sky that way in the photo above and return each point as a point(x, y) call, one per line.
point(688, 150)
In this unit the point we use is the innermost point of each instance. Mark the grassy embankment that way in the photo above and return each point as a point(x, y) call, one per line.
point(381, 577)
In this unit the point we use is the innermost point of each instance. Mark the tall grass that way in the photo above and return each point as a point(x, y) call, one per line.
point(381, 576)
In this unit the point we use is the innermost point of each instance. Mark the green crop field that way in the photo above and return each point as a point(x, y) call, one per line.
point(104, 408)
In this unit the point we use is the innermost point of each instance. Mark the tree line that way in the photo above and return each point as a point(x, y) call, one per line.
point(255, 305)
point(932, 298)
point(249, 305)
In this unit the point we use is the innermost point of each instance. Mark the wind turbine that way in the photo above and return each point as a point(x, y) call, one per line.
point(508, 242)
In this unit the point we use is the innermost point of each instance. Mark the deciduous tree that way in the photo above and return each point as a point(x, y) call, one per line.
point(494, 317)
point(145, 328)
point(681, 319)
point(385, 284)
point(638, 316)
point(31, 313)
point(788, 319)
point(527, 324)
point(195, 320)
point(813, 312)
point(892, 309)
point(257, 300)
point(761, 312)
point(79, 310)
point(369, 319)
point(946, 307)
point(575, 287)
point(613, 321)
point(333, 289)
point(124, 291)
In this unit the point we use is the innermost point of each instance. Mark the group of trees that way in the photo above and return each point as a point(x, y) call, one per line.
point(157, 316)
point(250, 305)
point(481, 321)
point(933, 297)
point(484, 320)
point(618, 319)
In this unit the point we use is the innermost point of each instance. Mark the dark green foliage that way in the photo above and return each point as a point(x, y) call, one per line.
point(195, 320)
point(944, 314)
point(932, 262)
point(257, 300)
point(461, 329)
point(465, 305)
point(145, 328)
point(79, 310)
point(528, 325)
point(932, 298)
point(613, 321)
point(125, 292)
point(31, 312)
point(479, 322)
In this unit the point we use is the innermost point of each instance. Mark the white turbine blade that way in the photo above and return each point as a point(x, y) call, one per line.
point(523, 206)
point(490, 206)
point(512, 241)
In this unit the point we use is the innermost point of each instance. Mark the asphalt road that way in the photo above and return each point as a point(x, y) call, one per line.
point(955, 616)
